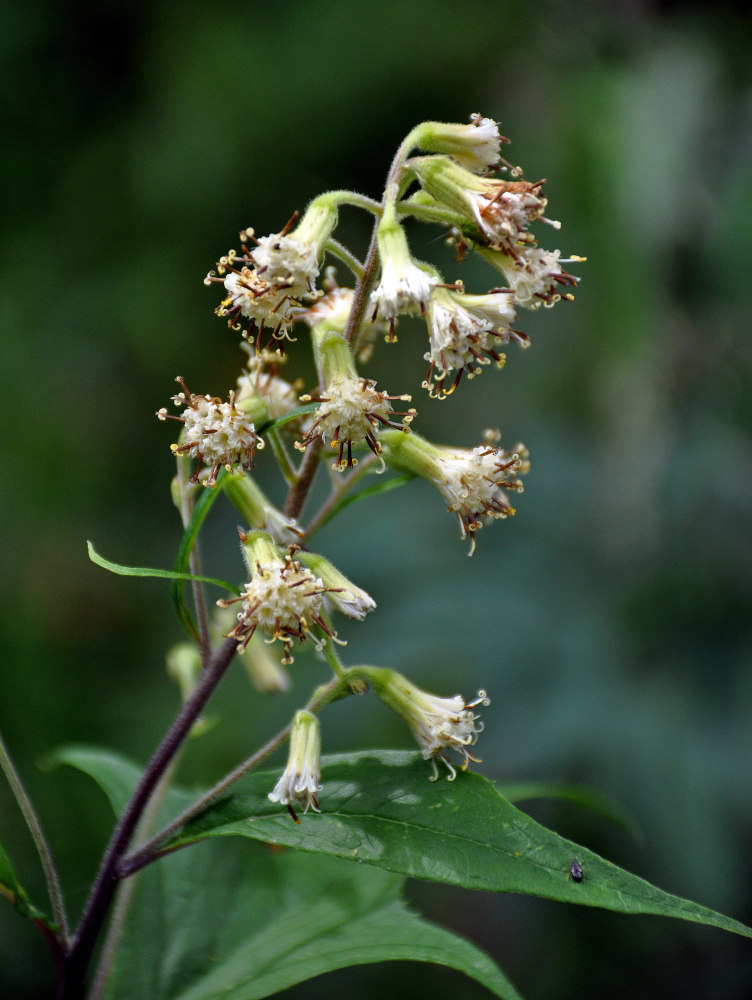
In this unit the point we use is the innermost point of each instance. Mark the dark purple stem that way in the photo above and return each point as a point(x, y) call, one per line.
point(72, 981)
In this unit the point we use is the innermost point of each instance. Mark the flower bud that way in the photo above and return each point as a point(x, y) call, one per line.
point(342, 593)
point(184, 667)
point(474, 146)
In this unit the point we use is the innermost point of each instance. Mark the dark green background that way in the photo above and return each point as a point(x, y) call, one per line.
point(609, 620)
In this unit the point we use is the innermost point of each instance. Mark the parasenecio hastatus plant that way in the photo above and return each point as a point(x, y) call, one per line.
point(213, 922)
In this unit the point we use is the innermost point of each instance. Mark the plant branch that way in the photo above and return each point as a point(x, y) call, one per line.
point(343, 486)
point(72, 982)
point(194, 561)
point(150, 850)
point(45, 855)
point(336, 249)
point(296, 497)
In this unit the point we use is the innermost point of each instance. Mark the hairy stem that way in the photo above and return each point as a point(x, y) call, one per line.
point(194, 561)
point(71, 985)
point(45, 855)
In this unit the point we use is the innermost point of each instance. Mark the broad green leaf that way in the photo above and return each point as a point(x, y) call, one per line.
point(245, 921)
point(162, 574)
point(379, 808)
point(219, 921)
point(15, 893)
point(115, 775)
point(523, 791)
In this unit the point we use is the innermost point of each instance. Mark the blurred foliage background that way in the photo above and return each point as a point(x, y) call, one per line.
point(609, 619)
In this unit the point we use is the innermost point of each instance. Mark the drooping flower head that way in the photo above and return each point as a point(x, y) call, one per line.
point(438, 724)
point(283, 598)
point(342, 594)
point(301, 779)
point(472, 481)
point(404, 288)
point(215, 433)
point(465, 332)
point(266, 283)
point(532, 275)
point(502, 209)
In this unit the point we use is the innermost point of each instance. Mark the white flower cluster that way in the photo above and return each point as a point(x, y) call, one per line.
point(350, 412)
point(284, 600)
point(216, 433)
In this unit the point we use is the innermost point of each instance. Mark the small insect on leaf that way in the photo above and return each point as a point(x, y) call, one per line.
point(575, 870)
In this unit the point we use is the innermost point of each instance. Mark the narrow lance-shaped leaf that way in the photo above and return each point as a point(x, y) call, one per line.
point(378, 807)
point(161, 574)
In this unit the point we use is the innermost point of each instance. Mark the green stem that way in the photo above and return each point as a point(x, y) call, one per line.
point(353, 198)
point(194, 561)
point(330, 655)
point(344, 485)
point(45, 855)
point(283, 459)
point(340, 251)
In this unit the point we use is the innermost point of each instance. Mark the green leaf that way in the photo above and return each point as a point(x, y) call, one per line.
point(246, 921)
point(162, 574)
point(299, 411)
point(15, 893)
point(224, 921)
point(115, 775)
point(523, 791)
point(379, 808)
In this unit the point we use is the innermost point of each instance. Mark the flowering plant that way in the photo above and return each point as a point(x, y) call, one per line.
point(296, 915)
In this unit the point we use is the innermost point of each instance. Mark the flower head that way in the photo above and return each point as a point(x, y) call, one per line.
point(532, 275)
point(464, 333)
point(301, 779)
point(438, 724)
point(351, 411)
point(214, 432)
point(404, 287)
point(501, 209)
point(250, 296)
point(472, 481)
point(283, 598)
